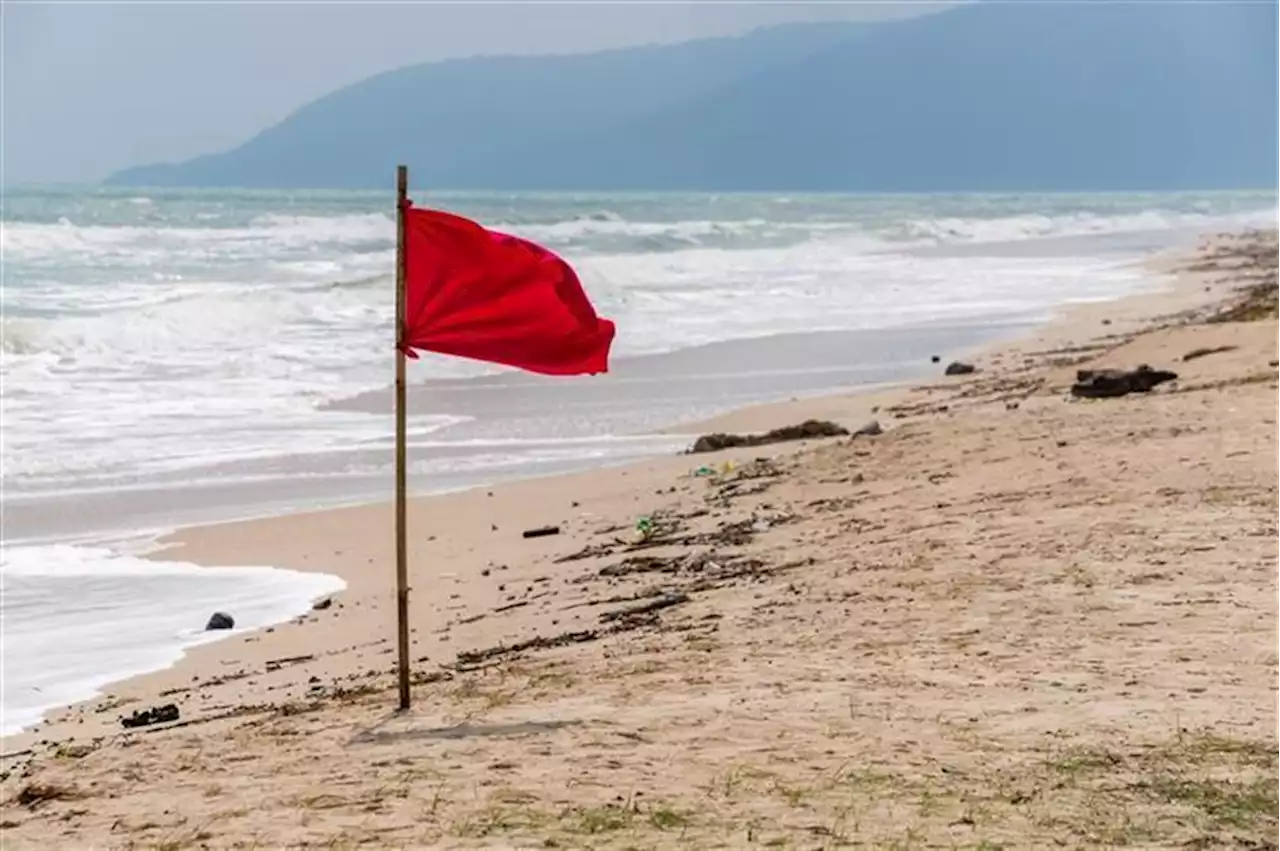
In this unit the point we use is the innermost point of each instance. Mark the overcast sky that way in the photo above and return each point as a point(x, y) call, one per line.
point(95, 86)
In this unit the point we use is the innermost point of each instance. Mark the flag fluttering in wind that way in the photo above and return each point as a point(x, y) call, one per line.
point(475, 293)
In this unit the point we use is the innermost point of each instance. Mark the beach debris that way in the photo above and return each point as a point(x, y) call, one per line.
point(473, 659)
point(752, 478)
point(1195, 354)
point(1112, 383)
point(277, 664)
point(707, 569)
point(645, 564)
point(1254, 256)
point(704, 470)
point(669, 530)
point(665, 601)
point(619, 621)
point(589, 551)
point(220, 620)
point(757, 468)
point(803, 431)
point(960, 368)
point(871, 429)
point(155, 715)
point(509, 606)
point(321, 605)
point(541, 532)
point(33, 795)
point(73, 750)
point(1257, 301)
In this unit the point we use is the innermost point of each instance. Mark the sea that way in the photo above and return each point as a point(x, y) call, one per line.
point(174, 357)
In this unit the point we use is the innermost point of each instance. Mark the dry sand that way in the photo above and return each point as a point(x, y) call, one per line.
point(1013, 620)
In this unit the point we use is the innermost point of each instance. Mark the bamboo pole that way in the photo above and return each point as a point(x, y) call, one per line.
point(402, 548)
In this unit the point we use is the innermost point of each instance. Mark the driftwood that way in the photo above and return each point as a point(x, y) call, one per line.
point(155, 715)
point(804, 431)
point(277, 664)
point(1111, 383)
point(1196, 354)
point(666, 601)
point(469, 659)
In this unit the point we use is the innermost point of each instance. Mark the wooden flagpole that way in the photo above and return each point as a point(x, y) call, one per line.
point(402, 547)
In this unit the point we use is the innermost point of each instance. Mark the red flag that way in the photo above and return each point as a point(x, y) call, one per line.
point(488, 296)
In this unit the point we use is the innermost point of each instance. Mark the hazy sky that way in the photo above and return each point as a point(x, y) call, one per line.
point(96, 86)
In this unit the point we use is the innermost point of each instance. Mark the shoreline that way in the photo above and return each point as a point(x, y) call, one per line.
point(531, 450)
point(1005, 573)
point(1005, 332)
point(833, 362)
point(1175, 292)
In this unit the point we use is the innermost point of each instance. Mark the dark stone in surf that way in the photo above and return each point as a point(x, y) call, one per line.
point(960, 368)
point(220, 620)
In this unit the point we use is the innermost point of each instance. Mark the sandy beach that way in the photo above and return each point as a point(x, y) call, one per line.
point(1012, 619)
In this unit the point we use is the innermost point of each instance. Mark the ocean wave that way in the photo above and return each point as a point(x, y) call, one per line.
point(364, 282)
point(330, 309)
point(306, 245)
point(20, 336)
point(273, 234)
point(615, 225)
point(1027, 227)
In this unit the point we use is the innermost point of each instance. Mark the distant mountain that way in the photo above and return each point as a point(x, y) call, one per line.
point(454, 122)
point(1008, 96)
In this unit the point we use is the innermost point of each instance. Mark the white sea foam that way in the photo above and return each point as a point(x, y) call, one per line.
point(951, 230)
point(76, 618)
point(829, 285)
point(61, 241)
point(870, 236)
